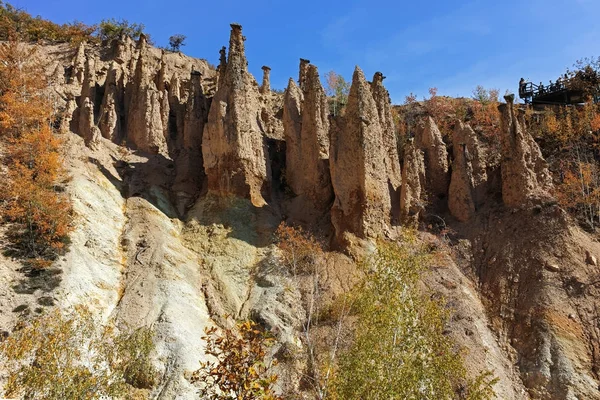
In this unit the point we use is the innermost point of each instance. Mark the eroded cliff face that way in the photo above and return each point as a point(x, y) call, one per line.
point(188, 171)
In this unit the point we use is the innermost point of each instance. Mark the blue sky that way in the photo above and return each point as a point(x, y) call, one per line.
point(452, 45)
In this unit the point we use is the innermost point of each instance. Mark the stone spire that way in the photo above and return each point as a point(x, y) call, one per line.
point(362, 199)
point(222, 68)
point(110, 111)
point(306, 128)
point(428, 138)
point(266, 81)
point(145, 115)
point(292, 130)
point(525, 174)
point(461, 191)
point(232, 143)
point(196, 113)
point(413, 179)
point(302, 74)
point(78, 65)
point(384, 109)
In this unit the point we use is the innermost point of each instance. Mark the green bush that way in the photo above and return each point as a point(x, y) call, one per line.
point(66, 356)
point(399, 349)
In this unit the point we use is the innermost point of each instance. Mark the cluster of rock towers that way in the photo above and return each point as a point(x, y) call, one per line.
point(348, 165)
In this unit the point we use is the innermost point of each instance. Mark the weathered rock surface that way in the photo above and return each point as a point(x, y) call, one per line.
point(112, 105)
point(386, 121)
point(266, 81)
point(413, 181)
point(428, 138)
point(362, 200)
point(145, 129)
point(306, 127)
point(232, 146)
point(292, 128)
point(460, 193)
point(525, 175)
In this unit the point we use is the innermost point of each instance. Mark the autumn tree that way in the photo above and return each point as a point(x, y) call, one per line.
point(30, 193)
point(338, 89)
point(15, 21)
point(66, 356)
point(240, 370)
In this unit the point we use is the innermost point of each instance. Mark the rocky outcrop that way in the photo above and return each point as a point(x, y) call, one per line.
point(413, 180)
point(112, 103)
point(266, 81)
point(428, 138)
point(87, 129)
point(525, 175)
point(303, 69)
point(196, 114)
point(386, 121)
point(292, 129)
point(306, 127)
point(460, 193)
point(232, 146)
point(362, 200)
point(145, 129)
point(222, 68)
point(78, 65)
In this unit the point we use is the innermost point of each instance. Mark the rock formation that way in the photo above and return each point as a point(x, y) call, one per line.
point(87, 129)
point(386, 121)
point(78, 65)
point(525, 175)
point(196, 114)
point(362, 200)
point(413, 180)
point(460, 193)
point(232, 146)
point(302, 75)
point(266, 81)
point(306, 128)
point(292, 128)
point(428, 138)
point(144, 123)
point(110, 114)
point(222, 68)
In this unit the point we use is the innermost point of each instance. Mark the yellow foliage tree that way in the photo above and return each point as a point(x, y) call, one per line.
point(30, 195)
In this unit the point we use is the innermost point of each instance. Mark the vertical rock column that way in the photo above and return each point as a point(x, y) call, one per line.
point(525, 174)
point(303, 69)
point(306, 129)
point(292, 129)
point(384, 109)
point(110, 114)
point(232, 144)
point(413, 180)
point(428, 138)
point(222, 68)
point(362, 201)
point(145, 123)
point(460, 193)
point(266, 81)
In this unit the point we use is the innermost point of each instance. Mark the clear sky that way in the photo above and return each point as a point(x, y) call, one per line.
point(453, 45)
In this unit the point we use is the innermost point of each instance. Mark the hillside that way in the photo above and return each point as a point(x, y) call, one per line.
point(180, 177)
